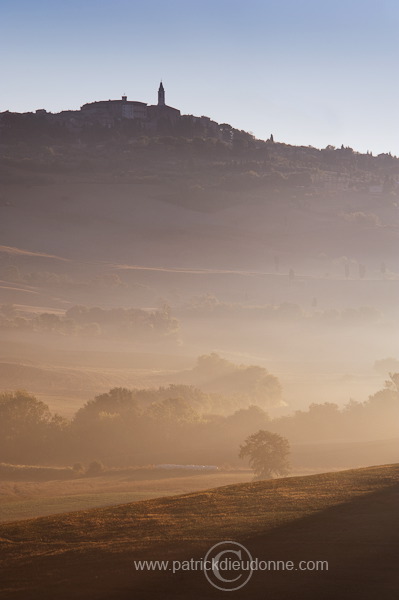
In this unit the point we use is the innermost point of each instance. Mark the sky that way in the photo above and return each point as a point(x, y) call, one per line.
point(311, 72)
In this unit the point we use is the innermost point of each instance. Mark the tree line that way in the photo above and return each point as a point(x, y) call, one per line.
point(137, 427)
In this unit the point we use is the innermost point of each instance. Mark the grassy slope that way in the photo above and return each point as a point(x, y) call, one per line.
point(349, 518)
point(28, 499)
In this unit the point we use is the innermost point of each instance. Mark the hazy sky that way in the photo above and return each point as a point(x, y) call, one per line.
point(312, 72)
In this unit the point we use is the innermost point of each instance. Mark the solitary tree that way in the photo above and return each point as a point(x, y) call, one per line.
point(268, 454)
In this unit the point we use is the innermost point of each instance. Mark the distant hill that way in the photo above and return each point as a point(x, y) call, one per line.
point(349, 519)
point(146, 197)
point(245, 236)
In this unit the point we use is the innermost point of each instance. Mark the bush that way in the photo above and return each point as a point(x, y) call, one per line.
point(95, 468)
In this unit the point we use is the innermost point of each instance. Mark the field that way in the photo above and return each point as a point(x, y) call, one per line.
point(28, 492)
point(28, 499)
point(349, 519)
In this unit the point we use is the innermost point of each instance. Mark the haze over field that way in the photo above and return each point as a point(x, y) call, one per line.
point(247, 273)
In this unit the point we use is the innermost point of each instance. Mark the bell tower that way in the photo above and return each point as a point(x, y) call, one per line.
point(161, 95)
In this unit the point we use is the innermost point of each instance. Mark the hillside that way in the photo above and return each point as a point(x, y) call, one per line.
point(144, 198)
point(244, 242)
point(349, 519)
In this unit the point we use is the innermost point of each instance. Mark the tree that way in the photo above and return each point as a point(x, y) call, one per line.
point(268, 454)
point(27, 427)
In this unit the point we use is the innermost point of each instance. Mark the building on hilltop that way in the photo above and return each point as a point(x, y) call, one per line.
point(132, 116)
point(161, 115)
point(109, 111)
point(161, 95)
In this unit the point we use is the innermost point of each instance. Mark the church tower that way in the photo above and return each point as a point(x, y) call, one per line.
point(161, 95)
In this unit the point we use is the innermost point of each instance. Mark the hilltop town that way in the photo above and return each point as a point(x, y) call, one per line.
point(132, 141)
point(137, 118)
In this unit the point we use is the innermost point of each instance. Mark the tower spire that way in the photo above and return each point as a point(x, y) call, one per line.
point(161, 95)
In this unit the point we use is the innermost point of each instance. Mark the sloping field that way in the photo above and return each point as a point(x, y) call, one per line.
point(349, 519)
point(28, 499)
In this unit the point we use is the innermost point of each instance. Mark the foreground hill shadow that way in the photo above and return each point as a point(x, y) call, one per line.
point(90, 555)
point(359, 539)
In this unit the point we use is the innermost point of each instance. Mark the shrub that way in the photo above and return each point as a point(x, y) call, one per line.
point(96, 467)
